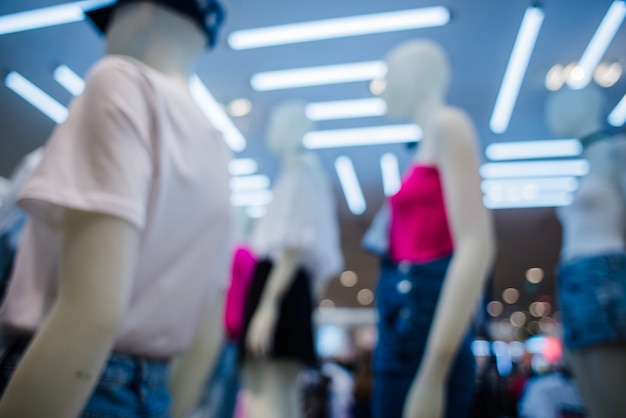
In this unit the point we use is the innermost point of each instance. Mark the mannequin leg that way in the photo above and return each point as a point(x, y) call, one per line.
point(601, 375)
point(271, 388)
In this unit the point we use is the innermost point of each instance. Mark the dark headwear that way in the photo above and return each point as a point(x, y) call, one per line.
point(208, 14)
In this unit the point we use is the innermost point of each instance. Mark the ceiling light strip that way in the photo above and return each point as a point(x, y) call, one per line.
point(617, 117)
point(523, 150)
point(376, 135)
point(255, 198)
point(547, 168)
point(67, 78)
point(547, 201)
point(350, 185)
point(249, 183)
point(541, 184)
point(36, 97)
point(339, 28)
point(242, 167)
point(216, 114)
point(516, 69)
point(390, 171)
point(602, 38)
point(48, 16)
point(317, 76)
point(346, 109)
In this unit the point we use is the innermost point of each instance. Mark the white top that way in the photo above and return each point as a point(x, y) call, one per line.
point(302, 215)
point(595, 222)
point(135, 146)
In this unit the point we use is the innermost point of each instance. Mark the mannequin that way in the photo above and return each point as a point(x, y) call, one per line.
point(124, 248)
point(423, 365)
point(298, 242)
point(592, 272)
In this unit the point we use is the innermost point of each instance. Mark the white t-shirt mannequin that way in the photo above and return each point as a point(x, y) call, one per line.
point(417, 82)
point(594, 225)
point(102, 226)
point(299, 229)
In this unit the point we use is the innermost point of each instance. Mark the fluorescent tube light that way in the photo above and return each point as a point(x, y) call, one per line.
point(249, 183)
point(346, 109)
point(256, 198)
point(390, 170)
point(376, 135)
point(548, 201)
point(548, 168)
point(71, 81)
point(350, 185)
point(317, 76)
point(339, 28)
point(48, 16)
point(583, 73)
point(36, 97)
point(524, 150)
point(617, 117)
point(530, 186)
point(256, 212)
point(216, 114)
point(516, 69)
point(242, 167)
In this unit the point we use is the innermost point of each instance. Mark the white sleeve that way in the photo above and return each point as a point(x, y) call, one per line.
point(100, 159)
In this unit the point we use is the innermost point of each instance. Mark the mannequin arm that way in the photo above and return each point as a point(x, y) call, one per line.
point(65, 359)
point(191, 371)
point(472, 231)
point(259, 338)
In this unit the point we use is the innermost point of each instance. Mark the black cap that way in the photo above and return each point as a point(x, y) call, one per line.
point(208, 14)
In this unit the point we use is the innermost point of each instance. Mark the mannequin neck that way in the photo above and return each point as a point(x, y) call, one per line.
point(162, 39)
point(291, 157)
point(425, 115)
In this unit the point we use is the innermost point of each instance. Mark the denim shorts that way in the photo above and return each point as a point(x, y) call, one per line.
point(128, 387)
point(592, 298)
point(406, 298)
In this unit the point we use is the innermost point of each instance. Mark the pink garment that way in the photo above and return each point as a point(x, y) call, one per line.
point(242, 274)
point(135, 146)
point(419, 230)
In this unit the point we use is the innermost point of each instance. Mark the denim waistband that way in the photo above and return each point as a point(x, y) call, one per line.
point(607, 259)
point(120, 368)
point(406, 267)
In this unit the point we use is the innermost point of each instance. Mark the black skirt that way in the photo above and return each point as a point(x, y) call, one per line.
point(293, 335)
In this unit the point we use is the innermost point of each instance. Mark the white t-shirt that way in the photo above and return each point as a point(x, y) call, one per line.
point(135, 146)
point(302, 215)
point(594, 223)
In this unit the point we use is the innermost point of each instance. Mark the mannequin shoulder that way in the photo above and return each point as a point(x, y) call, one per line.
point(114, 72)
point(455, 128)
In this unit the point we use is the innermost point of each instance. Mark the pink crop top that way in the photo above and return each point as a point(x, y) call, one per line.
point(419, 230)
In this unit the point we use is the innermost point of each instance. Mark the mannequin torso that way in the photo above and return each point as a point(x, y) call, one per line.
point(595, 222)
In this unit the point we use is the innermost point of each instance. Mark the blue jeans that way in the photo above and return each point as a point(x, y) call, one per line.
point(220, 397)
point(128, 387)
point(406, 298)
point(592, 297)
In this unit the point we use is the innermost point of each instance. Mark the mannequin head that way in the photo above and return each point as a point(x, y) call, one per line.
point(418, 72)
point(574, 113)
point(207, 14)
point(159, 37)
point(287, 125)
